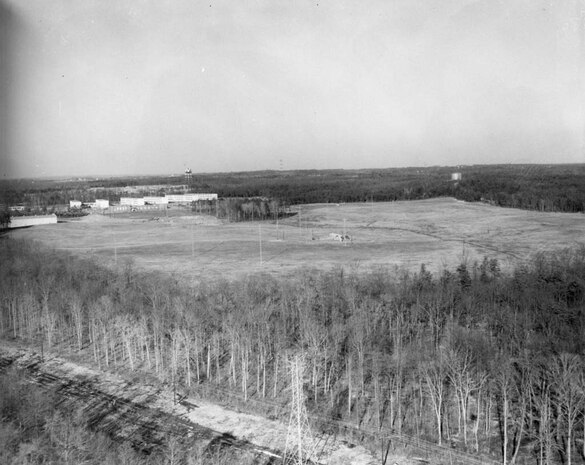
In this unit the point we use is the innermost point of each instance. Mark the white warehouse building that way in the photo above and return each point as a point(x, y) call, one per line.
point(132, 201)
point(187, 198)
point(24, 221)
point(102, 203)
point(156, 200)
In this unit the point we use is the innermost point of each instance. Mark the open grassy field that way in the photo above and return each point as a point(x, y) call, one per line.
point(438, 232)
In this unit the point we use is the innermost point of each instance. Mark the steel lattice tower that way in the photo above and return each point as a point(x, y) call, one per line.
point(188, 177)
point(299, 440)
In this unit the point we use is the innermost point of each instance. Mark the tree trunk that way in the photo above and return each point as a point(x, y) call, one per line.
point(275, 375)
point(477, 420)
point(217, 356)
point(349, 393)
point(187, 348)
point(233, 379)
point(505, 429)
point(208, 365)
point(245, 371)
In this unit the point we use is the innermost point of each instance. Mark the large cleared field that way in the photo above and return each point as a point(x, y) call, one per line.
point(439, 233)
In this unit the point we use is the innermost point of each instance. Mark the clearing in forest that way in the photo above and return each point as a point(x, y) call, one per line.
point(437, 232)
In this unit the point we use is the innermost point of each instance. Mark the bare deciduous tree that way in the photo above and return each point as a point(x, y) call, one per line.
point(569, 396)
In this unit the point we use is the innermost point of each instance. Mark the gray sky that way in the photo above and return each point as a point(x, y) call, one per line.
point(146, 87)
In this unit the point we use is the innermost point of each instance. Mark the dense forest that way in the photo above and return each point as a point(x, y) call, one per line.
point(472, 358)
point(536, 187)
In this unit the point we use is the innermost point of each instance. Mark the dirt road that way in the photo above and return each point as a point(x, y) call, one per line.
point(146, 416)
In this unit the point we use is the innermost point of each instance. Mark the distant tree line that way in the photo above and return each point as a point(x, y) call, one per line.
point(534, 187)
point(531, 187)
point(4, 218)
point(249, 209)
point(488, 362)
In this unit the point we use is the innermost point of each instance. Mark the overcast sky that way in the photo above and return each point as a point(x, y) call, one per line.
point(94, 87)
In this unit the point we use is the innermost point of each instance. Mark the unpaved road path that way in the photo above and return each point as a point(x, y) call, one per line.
point(146, 415)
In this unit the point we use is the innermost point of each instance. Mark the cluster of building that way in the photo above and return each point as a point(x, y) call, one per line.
point(99, 203)
point(167, 199)
point(184, 199)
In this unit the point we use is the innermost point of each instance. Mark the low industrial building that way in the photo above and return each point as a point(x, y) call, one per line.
point(188, 198)
point(102, 203)
point(152, 200)
point(133, 208)
point(24, 221)
point(132, 201)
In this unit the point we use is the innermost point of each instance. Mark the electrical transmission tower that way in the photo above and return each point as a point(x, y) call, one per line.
point(299, 440)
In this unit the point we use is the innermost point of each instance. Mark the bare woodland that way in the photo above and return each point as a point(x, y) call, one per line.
point(472, 358)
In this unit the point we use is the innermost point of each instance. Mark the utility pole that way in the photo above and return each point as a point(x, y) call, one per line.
point(260, 240)
point(192, 242)
point(277, 220)
point(115, 248)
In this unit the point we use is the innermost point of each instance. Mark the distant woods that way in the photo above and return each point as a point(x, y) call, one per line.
point(240, 209)
point(558, 188)
point(486, 362)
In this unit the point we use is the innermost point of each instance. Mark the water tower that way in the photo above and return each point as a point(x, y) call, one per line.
point(188, 176)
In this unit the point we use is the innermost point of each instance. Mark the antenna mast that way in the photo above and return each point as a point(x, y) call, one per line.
point(299, 440)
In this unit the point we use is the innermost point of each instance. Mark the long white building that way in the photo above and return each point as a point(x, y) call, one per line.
point(132, 201)
point(187, 198)
point(172, 198)
point(23, 221)
point(156, 200)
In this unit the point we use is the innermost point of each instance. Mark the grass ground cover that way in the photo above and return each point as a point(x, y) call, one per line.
point(437, 232)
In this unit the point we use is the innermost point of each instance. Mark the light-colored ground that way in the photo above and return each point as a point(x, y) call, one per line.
point(254, 429)
point(438, 232)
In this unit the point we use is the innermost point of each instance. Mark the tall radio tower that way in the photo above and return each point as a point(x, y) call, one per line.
point(188, 176)
point(299, 440)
